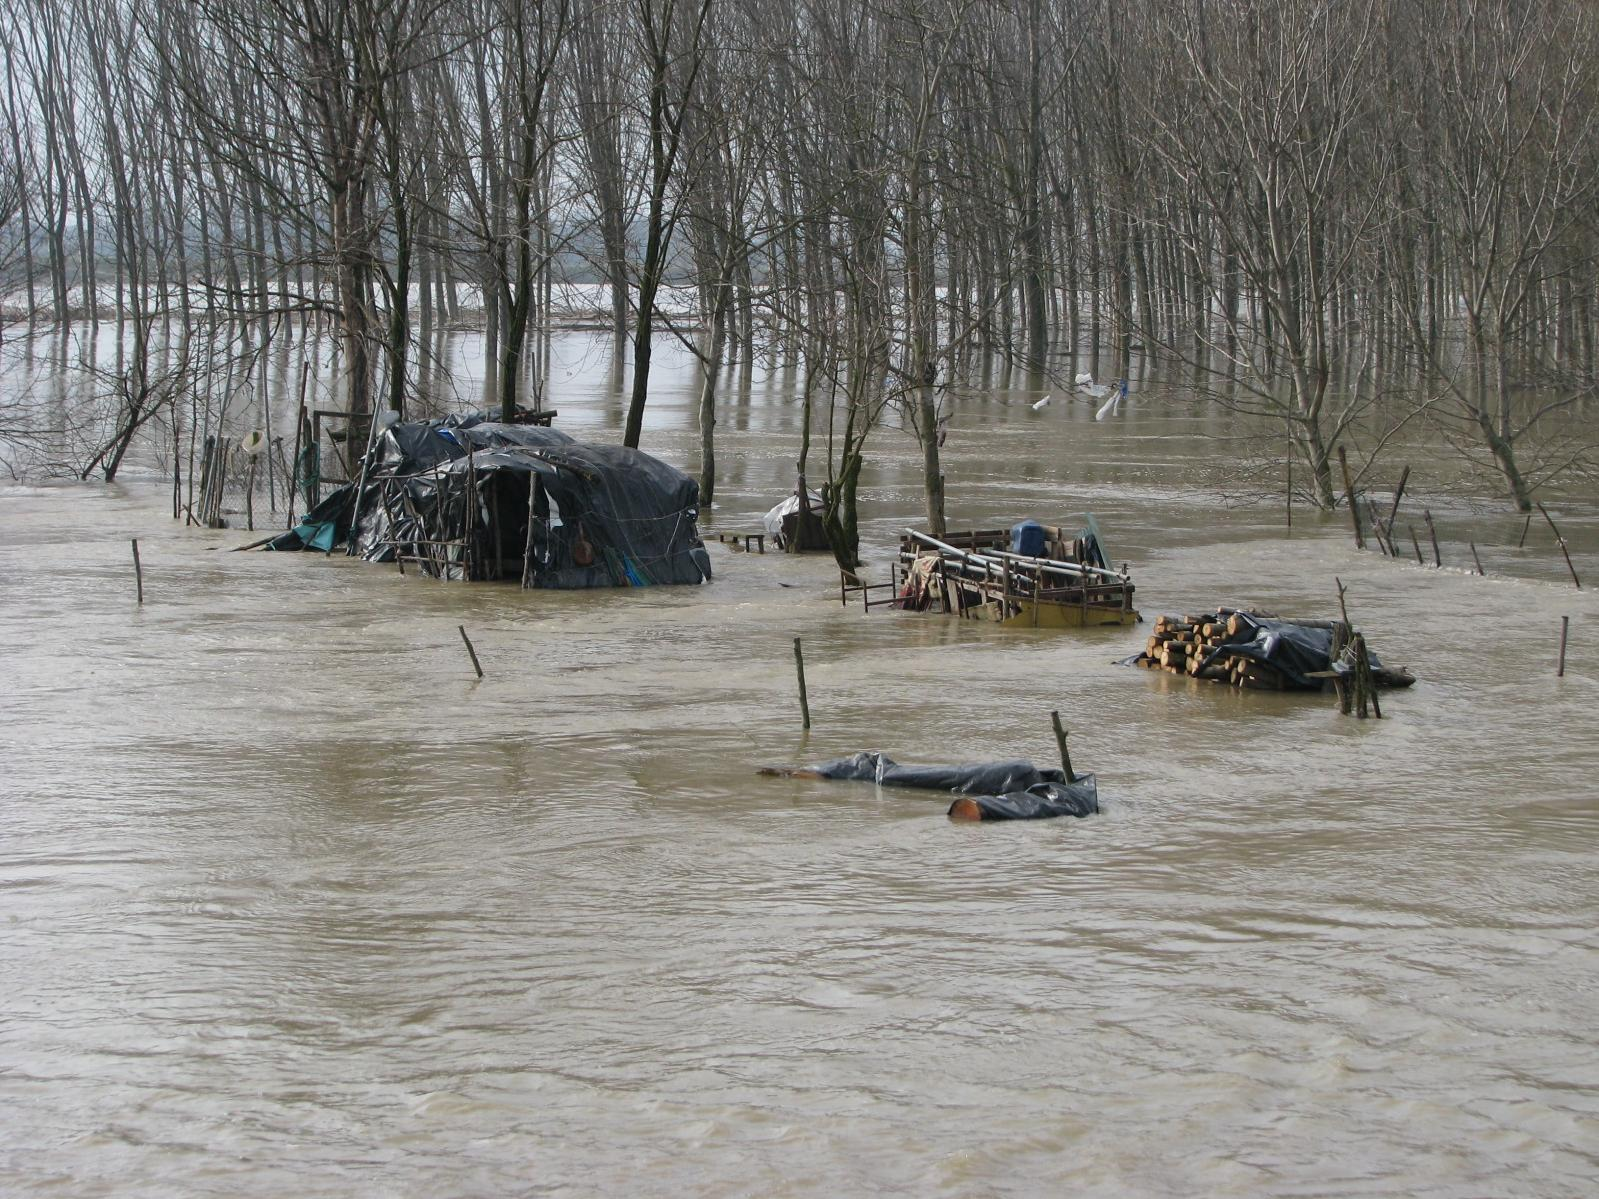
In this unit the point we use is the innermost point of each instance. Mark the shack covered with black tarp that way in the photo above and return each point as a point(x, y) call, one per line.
point(468, 498)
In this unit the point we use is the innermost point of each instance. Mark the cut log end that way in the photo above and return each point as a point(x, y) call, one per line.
point(965, 809)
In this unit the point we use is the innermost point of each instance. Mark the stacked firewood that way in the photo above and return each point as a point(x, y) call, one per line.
point(1198, 646)
point(1187, 645)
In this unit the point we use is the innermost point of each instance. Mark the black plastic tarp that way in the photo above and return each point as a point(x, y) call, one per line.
point(1042, 801)
point(979, 778)
point(470, 498)
point(1011, 790)
point(1297, 651)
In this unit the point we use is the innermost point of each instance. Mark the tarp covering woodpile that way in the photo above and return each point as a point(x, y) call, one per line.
point(1253, 650)
point(467, 498)
point(1011, 790)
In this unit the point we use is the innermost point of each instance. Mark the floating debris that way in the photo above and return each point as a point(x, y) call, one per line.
point(1009, 790)
point(1031, 576)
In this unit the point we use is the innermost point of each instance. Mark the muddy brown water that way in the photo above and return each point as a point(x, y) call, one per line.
point(293, 904)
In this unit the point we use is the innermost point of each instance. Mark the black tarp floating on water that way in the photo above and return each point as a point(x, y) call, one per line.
point(1297, 651)
point(477, 499)
point(1012, 790)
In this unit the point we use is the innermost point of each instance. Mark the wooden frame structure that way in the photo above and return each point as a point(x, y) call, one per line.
point(976, 577)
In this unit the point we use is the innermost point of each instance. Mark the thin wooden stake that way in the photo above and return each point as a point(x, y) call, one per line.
point(1371, 683)
point(1525, 525)
point(1415, 541)
point(1289, 504)
point(476, 665)
point(294, 466)
point(1563, 548)
point(1399, 494)
point(1437, 559)
point(1340, 642)
point(138, 579)
point(1349, 496)
point(799, 669)
point(1476, 559)
point(1560, 666)
point(1060, 740)
point(1348, 686)
point(1365, 689)
point(1376, 527)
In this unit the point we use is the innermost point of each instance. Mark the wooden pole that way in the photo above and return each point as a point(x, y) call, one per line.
point(799, 669)
point(472, 653)
point(177, 463)
point(1416, 541)
point(1560, 666)
point(138, 579)
point(527, 549)
point(1365, 692)
point(1349, 497)
point(1525, 525)
point(1340, 642)
point(249, 494)
point(1060, 741)
point(1376, 527)
point(1563, 548)
point(205, 482)
point(294, 465)
point(1371, 682)
point(1289, 503)
point(1476, 559)
point(219, 483)
point(1432, 531)
point(1399, 494)
point(266, 421)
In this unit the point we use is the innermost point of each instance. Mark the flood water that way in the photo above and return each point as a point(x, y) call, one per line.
point(294, 905)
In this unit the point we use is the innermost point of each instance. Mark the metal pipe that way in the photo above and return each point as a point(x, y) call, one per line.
point(997, 558)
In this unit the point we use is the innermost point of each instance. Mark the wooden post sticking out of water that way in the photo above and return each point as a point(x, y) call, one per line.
point(1416, 541)
point(1376, 526)
point(1356, 687)
point(1399, 494)
point(138, 580)
point(294, 466)
point(1289, 503)
point(472, 653)
point(1349, 497)
point(1560, 665)
point(799, 669)
point(1432, 531)
point(1340, 642)
point(1365, 689)
point(1525, 525)
point(1476, 559)
point(1563, 548)
point(249, 494)
point(1060, 740)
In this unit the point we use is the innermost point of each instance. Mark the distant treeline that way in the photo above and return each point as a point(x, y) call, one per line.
point(1312, 204)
